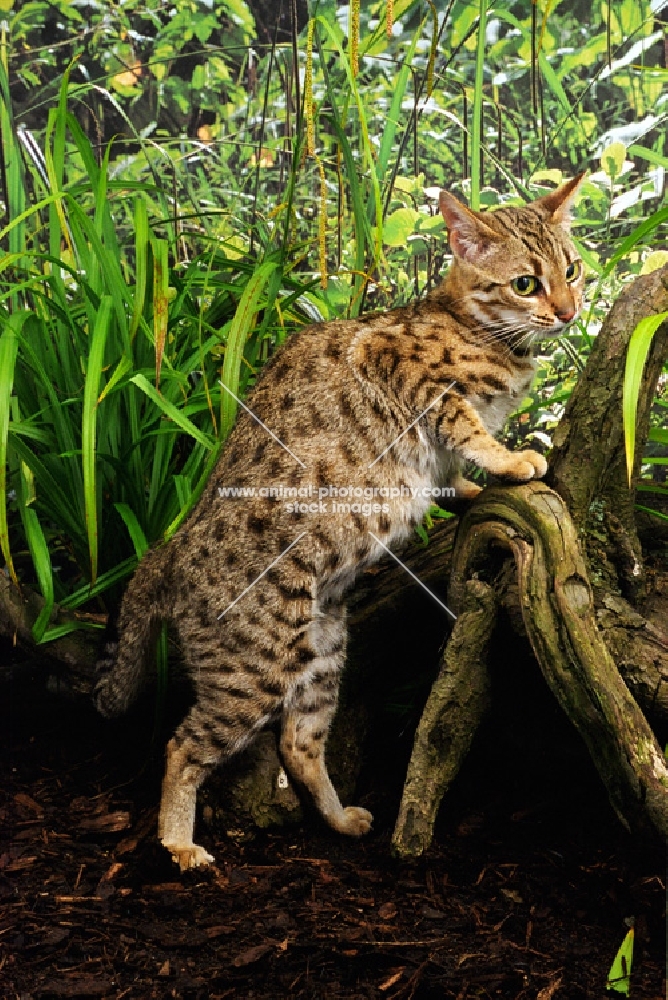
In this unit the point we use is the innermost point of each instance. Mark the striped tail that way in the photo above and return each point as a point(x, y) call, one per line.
point(121, 669)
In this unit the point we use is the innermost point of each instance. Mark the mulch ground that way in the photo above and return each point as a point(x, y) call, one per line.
point(526, 893)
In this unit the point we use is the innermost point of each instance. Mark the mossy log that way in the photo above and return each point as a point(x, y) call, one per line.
point(458, 702)
point(588, 461)
point(532, 523)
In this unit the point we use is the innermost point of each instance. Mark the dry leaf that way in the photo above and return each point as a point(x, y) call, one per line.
point(24, 800)
point(548, 991)
point(391, 980)
point(107, 823)
point(129, 76)
point(251, 955)
point(112, 872)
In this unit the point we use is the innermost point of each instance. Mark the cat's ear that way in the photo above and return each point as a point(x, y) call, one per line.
point(556, 207)
point(469, 237)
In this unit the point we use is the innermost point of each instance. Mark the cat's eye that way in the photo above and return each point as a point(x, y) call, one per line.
point(526, 284)
point(573, 271)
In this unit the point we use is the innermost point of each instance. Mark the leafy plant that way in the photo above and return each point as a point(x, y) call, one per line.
point(175, 202)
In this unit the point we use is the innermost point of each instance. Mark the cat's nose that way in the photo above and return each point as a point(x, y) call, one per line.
point(565, 315)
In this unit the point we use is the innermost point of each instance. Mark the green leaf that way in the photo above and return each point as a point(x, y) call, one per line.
point(653, 261)
point(104, 582)
point(612, 159)
point(41, 559)
point(8, 349)
point(644, 229)
point(648, 154)
point(172, 411)
point(240, 328)
point(421, 532)
point(58, 631)
point(619, 977)
point(650, 510)
point(639, 345)
point(399, 226)
point(134, 528)
point(89, 425)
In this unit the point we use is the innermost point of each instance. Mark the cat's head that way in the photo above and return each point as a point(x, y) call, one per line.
point(515, 270)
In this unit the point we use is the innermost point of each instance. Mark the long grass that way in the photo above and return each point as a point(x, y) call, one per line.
point(141, 292)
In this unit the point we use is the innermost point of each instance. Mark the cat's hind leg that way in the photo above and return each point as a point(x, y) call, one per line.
point(307, 713)
point(235, 699)
point(184, 773)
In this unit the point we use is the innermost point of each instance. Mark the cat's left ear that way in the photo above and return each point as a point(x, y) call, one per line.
point(556, 207)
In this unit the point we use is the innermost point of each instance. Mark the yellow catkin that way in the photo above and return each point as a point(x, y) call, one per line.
point(354, 35)
point(432, 51)
point(322, 225)
point(390, 17)
point(308, 92)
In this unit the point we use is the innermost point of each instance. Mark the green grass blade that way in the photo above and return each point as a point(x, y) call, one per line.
point(8, 350)
point(650, 510)
point(367, 149)
point(160, 302)
point(134, 529)
point(394, 114)
point(644, 229)
point(478, 93)
point(61, 502)
point(89, 427)
point(172, 411)
point(196, 493)
point(41, 560)
point(141, 263)
point(106, 580)
point(240, 328)
point(639, 345)
point(360, 216)
point(647, 154)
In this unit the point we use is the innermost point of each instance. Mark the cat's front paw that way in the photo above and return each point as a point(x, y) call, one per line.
point(191, 856)
point(524, 465)
point(354, 821)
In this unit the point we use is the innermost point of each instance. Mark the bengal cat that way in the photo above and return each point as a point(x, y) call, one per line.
point(386, 404)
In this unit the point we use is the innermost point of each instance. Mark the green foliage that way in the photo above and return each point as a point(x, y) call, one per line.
point(619, 977)
point(165, 227)
point(639, 345)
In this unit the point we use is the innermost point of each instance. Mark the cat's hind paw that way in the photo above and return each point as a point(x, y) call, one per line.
point(355, 821)
point(191, 856)
point(465, 489)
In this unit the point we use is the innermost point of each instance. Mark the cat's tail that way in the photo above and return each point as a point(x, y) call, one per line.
point(121, 670)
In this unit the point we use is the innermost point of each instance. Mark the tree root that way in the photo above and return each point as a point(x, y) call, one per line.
point(456, 705)
point(532, 523)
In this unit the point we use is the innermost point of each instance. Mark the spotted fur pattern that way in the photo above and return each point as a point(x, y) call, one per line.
point(338, 395)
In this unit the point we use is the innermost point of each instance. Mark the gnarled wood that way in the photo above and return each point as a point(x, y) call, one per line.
point(532, 523)
point(456, 705)
point(588, 462)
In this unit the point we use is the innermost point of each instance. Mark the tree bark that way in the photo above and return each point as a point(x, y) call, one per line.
point(455, 708)
point(588, 463)
point(544, 531)
point(532, 522)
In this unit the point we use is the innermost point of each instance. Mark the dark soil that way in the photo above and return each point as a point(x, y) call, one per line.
point(527, 892)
